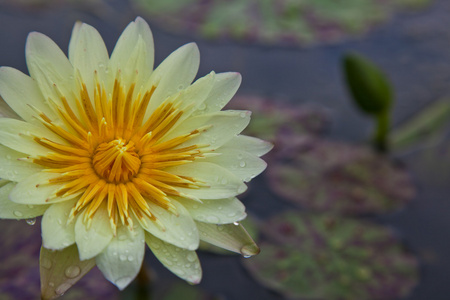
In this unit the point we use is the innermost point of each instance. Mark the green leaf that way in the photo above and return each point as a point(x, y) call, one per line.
point(60, 270)
point(229, 236)
point(368, 85)
point(428, 123)
point(314, 256)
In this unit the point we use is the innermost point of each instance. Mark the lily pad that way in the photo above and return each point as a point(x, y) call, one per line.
point(273, 21)
point(325, 257)
point(282, 124)
point(340, 178)
point(19, 268)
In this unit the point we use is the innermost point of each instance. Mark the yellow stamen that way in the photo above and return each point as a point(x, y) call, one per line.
point(113, 156)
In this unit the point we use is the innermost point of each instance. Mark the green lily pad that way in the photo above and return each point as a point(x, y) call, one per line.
point(19, 270)
point(282, 123)
point(325, 257)
point(340, 178)
point(273, 21)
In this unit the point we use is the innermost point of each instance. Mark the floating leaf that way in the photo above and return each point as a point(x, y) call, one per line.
point(282, 123)
point(60, 270)
point(341, 178)
point(325, 257)
point(272, 21)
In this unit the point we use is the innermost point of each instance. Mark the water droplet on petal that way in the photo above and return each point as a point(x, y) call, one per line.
point(212, 219)
point(31, 221)
point(130, 258)
point(122, 257)
point(72, 271)
point(46, 263)
point(191, 257)
point(18, 213)
point(224, 181)
point(242, 164)
point(236, 223)
point(30, 206)
point(202, 106)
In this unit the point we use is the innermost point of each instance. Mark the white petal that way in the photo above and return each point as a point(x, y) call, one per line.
point(192, 97)
point(179, 230)
point(220, 182)
point(121, 260)
point(231, 237)
point(56, 233)
point(88, 54)
point(93, 240)
point(183, 263)
point(22, 93)
point(175, 73)
point(219, 211)
point(224, 87)
point(134, 54)
point(12, 210)
point(249, 144)
point(242, 164)
point(51, 69)
point(36, 190)
point(18, 135)
point(220, 128)
point(12, 168)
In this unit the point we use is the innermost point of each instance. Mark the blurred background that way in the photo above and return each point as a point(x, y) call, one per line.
point(354, 94)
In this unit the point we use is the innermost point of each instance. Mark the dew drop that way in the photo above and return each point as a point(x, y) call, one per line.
point(224, 181)
point(236, 223)
point(31, 221)
point(240, 156)
point(72, 271)
point(180, 87)
point(62, 288)
point(130, 258)
point(247, 256)
point(212, 219)
point(242, 164)
point(46, 263)
point(202, 106)
point(18, 213)
point(115, 253)
point(231, 214)
point(122, 257)
point(30, 206)
point(220, 227)
point(191, 257)
point(59, 221)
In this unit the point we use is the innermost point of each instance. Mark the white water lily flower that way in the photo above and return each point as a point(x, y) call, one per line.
point(115, 154)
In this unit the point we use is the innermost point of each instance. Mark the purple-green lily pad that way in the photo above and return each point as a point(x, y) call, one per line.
point(340, 178)
point(310, 256)
point(273, 21)
point(282, 124)
point(19, 267)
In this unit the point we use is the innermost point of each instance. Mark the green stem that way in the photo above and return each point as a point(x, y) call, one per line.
point(380, 139)
point(144, 285)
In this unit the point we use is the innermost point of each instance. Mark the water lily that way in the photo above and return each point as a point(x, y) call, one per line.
point(115, 155)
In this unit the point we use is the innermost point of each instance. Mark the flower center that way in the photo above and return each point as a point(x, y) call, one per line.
point(116, 161)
